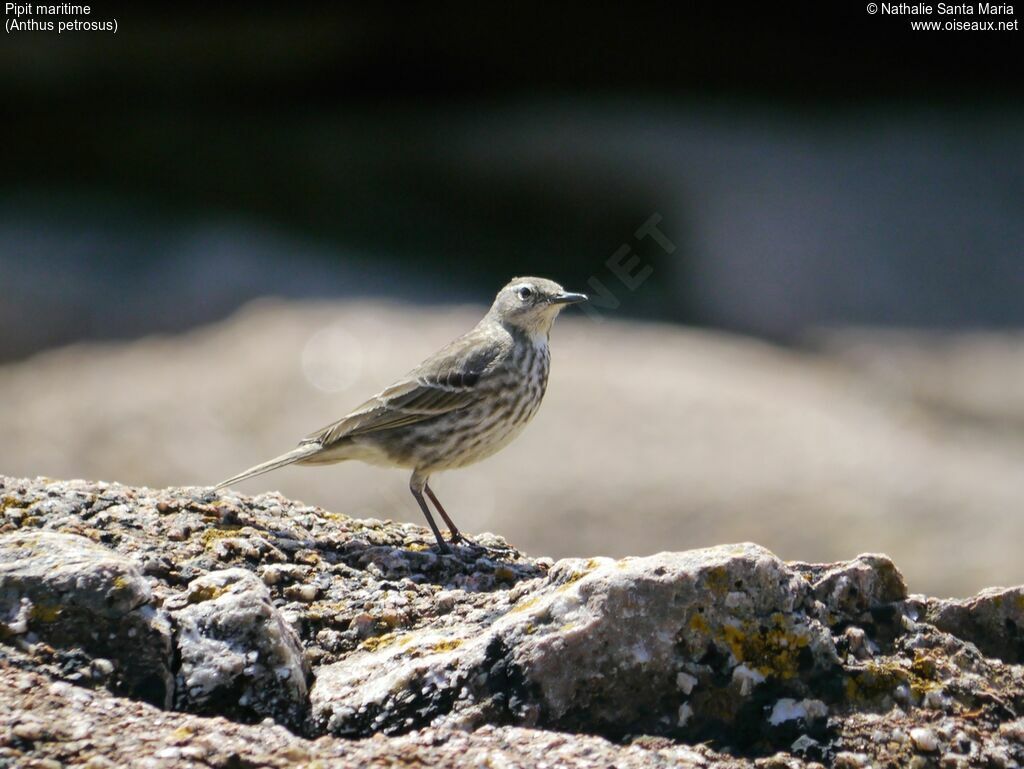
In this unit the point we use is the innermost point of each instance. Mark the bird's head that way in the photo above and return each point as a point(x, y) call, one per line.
point(532, 304)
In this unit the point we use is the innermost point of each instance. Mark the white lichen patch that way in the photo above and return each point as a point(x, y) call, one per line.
point(685, 682)
point(787, 709)
point(685, 714)
point(924, 739)
point(746, 679)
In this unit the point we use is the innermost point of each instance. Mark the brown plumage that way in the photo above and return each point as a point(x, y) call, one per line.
point(462, 404)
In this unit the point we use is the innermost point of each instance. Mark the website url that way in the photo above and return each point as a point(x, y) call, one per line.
point(967, 26)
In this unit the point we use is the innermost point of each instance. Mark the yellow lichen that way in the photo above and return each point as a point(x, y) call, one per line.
point(524, 605)
point(12, 503)
point(45, 612)
point(334, 516)
point(923, 665)
point(205, 593)
point(210, 536)
point(874, 681)
point(717, 580)
point(377, 642)
point(121, 582)
point(572, 579)
point(878, 680)
point(771, 651)
point(446, 645)
point(504, 574)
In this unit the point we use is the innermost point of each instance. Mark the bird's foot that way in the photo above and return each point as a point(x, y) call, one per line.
point(443, 548)
point(458, 538)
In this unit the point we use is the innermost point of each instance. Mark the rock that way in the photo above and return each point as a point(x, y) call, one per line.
point(722, 657)
point(599, 647)
point(924, 740)
point(787, 709)
point(125, 733)
point(70, 592)
point(848, 760)
point(993, 620)
point(851, 590)
point(239, 657)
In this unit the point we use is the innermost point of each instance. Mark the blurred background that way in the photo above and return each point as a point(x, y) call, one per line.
point(220, 230)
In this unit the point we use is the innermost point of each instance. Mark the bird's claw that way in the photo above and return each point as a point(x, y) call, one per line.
point(445, 548)
point(458, 538)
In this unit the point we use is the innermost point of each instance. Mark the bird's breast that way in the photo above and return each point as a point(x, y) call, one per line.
point(509, 396)
point(506, 399)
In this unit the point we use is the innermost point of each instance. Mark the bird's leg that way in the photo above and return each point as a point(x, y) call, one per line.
point(457, 535)
point(416, 485)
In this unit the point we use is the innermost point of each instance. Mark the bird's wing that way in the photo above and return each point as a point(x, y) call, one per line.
point(444, 382)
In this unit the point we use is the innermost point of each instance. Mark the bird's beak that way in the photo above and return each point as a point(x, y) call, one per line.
point(567, 297)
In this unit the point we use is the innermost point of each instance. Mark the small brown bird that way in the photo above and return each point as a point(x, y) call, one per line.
point(461, 405)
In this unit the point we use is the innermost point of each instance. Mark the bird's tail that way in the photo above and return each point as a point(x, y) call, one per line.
point(295, 455)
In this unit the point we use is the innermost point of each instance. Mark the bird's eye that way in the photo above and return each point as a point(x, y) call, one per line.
point(525, 293)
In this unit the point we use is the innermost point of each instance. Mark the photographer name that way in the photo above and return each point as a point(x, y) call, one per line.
point(946, 9)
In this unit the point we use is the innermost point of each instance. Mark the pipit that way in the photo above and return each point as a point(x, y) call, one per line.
point(462, 404)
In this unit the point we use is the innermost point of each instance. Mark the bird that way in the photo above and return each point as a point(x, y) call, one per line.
point(464, 403)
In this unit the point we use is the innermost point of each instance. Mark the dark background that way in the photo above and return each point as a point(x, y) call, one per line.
point(829, 360)
point(814, 164)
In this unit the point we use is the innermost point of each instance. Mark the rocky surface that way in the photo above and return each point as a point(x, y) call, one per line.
point(70, 592)
point(181, 627)
point(236, 651)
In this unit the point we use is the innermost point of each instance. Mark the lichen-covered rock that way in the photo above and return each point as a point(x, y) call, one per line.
point(993, 620)
point(676, 644)
point(851, 591)
point(72, 593)
point(238, 655)
point(773, 664)
point(44, 723)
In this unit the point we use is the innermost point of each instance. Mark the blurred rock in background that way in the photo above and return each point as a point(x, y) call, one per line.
point(651, 437)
